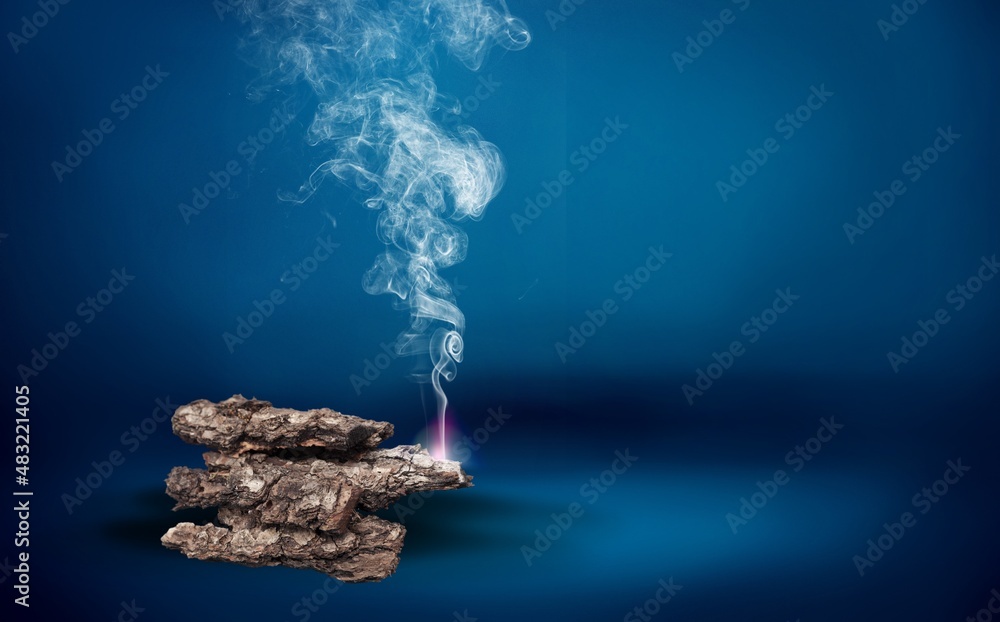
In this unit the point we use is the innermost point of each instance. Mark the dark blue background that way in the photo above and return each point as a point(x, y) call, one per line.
point(655, 185)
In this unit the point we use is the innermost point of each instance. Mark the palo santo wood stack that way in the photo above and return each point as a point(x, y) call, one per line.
point(291, 487)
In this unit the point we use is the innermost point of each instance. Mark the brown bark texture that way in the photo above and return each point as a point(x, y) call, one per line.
point(238, 425)
point(291, 488)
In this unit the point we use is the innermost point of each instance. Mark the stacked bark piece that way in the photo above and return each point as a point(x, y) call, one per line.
point(291, 487)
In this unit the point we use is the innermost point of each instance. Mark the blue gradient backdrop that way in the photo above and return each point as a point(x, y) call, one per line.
point(522, 292)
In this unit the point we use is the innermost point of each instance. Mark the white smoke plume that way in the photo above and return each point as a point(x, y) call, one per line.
point(369, 64)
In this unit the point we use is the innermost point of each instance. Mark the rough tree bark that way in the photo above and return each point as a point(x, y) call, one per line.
point(383, 475)
point(305, 500)
point(367, 551)
point(289, 486)
point(238, 425)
